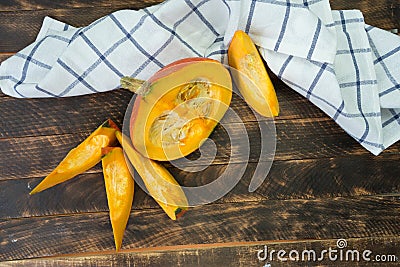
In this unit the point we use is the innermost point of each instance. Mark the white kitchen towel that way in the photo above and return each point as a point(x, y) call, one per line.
point(348, 69)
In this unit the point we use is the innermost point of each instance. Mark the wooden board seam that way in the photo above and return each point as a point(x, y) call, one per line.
point(202, 247)
point(376, 197)
point(388, 154)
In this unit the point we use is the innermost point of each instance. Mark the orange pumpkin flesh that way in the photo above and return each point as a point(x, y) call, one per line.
point(81, 158)
point(179, 108)
point(257, 88)
point(119, 188)
point(159, 182)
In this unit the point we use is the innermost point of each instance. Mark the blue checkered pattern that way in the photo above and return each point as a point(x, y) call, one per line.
point(353, 88)
point(330, 57)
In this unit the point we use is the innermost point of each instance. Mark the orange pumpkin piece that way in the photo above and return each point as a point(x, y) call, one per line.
point(161, 185)
point(119, 188)
point(178, 108)
point(257, 88)
point(83, 157)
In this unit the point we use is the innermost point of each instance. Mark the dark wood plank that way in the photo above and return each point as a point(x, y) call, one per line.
point(380, 13)
point(95, 108)
point(55, 116)
point(296, 139)
point(18, 5)
point(396, 14)
point(128, 4)
point(216, 223)
point(232, 254)
point(4, 56)
point(345, 176)
point(86, 193)
point(298, 179)
point(20, 158)
point(19, 28)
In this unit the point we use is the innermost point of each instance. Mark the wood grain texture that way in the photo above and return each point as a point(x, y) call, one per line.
point(4, 56)
point(19, 28)
point(234, 254)
point(297, 179)
point(84, 113)
point(217, 223)
point(298, 139)
point(25, 161)
point(56, 116)
point(395, 5)
point(128, 4)
point(379, 14)
point(18, 5)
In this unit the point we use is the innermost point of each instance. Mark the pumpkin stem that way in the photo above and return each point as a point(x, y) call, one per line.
point(132, 84)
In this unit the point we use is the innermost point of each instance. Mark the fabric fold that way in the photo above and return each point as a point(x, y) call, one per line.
point(298, 28)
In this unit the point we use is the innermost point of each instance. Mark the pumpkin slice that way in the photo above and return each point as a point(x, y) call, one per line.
point(252, 78)
point(161, 185)
point(119, 188)
point(179, 107)
point(83, 157)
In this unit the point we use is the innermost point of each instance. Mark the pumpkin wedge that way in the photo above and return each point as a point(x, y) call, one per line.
point(178, 108)
point(119, 188)
point(257, 88)
point(161, 185)
point(83, 157)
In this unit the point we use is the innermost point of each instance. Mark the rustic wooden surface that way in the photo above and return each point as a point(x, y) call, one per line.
point(322, 185)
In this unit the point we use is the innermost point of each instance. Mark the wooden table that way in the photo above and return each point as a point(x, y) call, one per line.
point(322, 186)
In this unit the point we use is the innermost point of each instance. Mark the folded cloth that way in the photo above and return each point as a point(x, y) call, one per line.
point(348, 69)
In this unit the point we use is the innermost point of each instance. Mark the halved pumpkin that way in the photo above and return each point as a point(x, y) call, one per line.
point(252, 78)
point(179, 107)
